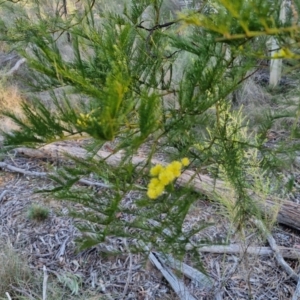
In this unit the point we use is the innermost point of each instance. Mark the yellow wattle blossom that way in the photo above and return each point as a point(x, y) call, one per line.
point(185, 161)
point(175, 168)
point(156, 191)
point(152, 194)
point(156, 170)
point(153, 183)
point(164, 176)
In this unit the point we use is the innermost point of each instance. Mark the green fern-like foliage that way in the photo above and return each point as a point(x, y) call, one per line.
point(141, 81)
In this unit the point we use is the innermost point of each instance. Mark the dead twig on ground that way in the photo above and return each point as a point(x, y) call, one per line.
point(62, 248)
point(290, 253)
point(8, 296)
point(277, 253)
point(22, 171)
point(45, 174)
point(15, 68)
point(177, 285)
point(203, 281)
point(296, 295)
point(129, 277)
point(2, 195)
point(45, 279)
point(27, 294)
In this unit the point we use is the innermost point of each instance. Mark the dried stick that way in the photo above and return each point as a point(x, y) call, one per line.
point(177, 285)
point(203, 281)
point(22, 171)
point(296, 295)
point(62, 248)
point(15, 67)
point(2, 195)
point(290, 253)
point(24, 292)
point(8, 296)
point(129, 271)
point(274, 247)
point(45, 283)
point(45, 174)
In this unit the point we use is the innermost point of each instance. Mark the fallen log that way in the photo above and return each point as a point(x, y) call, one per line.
point(290, 253)
point(288, 212)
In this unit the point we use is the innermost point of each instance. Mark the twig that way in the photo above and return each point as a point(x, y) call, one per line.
point(93, 278)
point(25, 292)
point(296, 295)
point(274, 247)
point(218, 296)
point(62, 248)
point(22, 171)
point(45, 174)
point(2, 195)
point(156, 27)
point(219, 290)
point(203, 281)
point(290, 253)
point(15, 67)
point(151, 31)
point(45, 283)
point(177, 285)
point(103, 290)
point(129, 272)
point(8, 296)
point(92, 183)
point(236, 248)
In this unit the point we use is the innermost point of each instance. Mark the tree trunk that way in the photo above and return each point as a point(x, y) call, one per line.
point(276, 64)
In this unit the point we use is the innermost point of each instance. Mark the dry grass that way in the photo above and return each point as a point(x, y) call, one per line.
point(255, 101)
point(4, 47)
point(13, 272)
point(20, 282)
point(10, 99)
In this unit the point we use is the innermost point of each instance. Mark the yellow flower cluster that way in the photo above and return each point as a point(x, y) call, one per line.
point(164, 176)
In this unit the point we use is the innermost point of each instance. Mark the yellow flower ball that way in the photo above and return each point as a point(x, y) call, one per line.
point(159, 189)
point(166, 176)
point(175, 168)
point(156, 170)
point(185, 161)
point(155, 191)
point(153, 183)
point(152, 194)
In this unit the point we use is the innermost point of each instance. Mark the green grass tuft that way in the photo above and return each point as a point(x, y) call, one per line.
point(38, 213)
